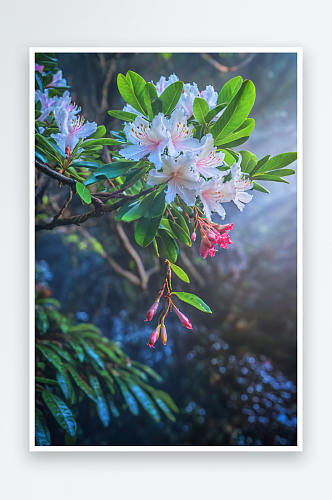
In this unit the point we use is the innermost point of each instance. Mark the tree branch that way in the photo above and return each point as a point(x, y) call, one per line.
point(227, 69)
point(42, 167)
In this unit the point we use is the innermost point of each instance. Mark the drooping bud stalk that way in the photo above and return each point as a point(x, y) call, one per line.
point(193, 236)
point(152, 311)
point(184, 320)
point(154, 337)
point(163, 334)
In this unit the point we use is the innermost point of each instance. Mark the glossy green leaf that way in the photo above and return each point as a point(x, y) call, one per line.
point(78, 350)
point(193, 300)
point(113, 408)
point(50, 356)
point(170, 248)
point(180, 273)
point(127, 92)
point(269, 177)
point(81, 383)
point(152, 373)
point(236, 143)
point(113, 170)
point(260, 163)
point(128, 397)
point(138, 85)
point(100, 132)
point(137, 209)
point(170, 97)
point(42, 433)
point(277, 162)
point(40, 157)
point(214, 111)
point(229, 90)
point(200, 110)
point(61, 412)
point(146, 230)
point(154, 241)
point(47, 381)
point(235, 113)
point(260, 188)
point(163, 407)
point(157, 106)
point(179, 219)
point(248, 161)
point(101, 142)
point(157, 207)
point(168, 400)
point(49, 146)
point(93, 354)
point(150, 94)
point(243, 131)
point(122, 115)
point(180, 234)
point(102, 408)
point(283, 172)
point(61, 352)
point(83, 192)
point(92, 165)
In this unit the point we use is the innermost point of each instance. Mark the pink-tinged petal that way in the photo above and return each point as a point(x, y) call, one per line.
point(152, 311)
point(154, 337)
point(184, 320)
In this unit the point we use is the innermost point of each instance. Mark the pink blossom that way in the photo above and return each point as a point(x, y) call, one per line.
point(206, 248)
point(39, 68)
point(154, 337)
point(152, 311)
point(184, 320)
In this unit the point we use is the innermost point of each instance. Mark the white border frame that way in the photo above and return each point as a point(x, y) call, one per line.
point(299, 447)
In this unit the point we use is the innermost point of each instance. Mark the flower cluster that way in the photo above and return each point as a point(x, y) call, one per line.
point(168, 305)
point(71, 127)
point(211, 234)
point(190, 167)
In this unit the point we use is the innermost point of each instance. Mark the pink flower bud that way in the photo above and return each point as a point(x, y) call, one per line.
point(154, 337)
point(212, 235)
point(184, 320)
point(152, 311)
point(206, 248)
point(193, 236)
point(163, 334)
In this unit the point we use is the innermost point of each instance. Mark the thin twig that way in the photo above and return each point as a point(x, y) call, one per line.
point(227, 69)
point(59, 215)
point(42, 167)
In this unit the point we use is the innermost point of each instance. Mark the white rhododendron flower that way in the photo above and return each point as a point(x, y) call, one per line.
point(147, 139)
point(241, 184)
point(163, 83)
point(187, 98)
point(215, 192)
point(180, 177)
point(71, 130)
point(208, 159)
point(58, 80)
point(210, 96)
point(180, 134)
point(64, 104)
point(48, 104)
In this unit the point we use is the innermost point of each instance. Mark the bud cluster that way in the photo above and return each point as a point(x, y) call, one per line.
point(167, 306)
point(211, 234)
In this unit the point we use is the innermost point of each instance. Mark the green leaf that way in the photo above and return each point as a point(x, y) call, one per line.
point(200, 110)
point(138, 85)
point(128, 397)
point(113, 408)
point(163, 406)
point(170, 248)
point(157, 207)
point(61, 352)
point(100, 132)
point(113, 170)
point(122, 115)
point(83, 193)
point(170, 97)
point(229, 90)
point(193, 300)
point(78, 350)
point(248, 161)
point(50, 356)
point(127, 92)
point(84, 386)
point(283, 171)
point(168, 400)
point(179, 219)
point(101, 142)
point(243, 131)
point(179, 233)
point(146, 230)
point(235, 143)
point(66, 385)
point(157, 106)
point(150, 94)
point(48, 381)
point(60, 412)
point(93, 354)
point(52, 148)
point(235, 113)
point(40, 157)
point(136, 209)
point(268, 177)
point(42, 433)
point(92, 165)
point(155, 246)
point(214, 111)
point(180, 273)
point(144, 399)
point(277, 162)
point(102, 408)
point(260, 188)
point(152, 373)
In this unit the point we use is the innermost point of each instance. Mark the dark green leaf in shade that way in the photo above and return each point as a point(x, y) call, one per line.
point(193, 300)
point(93, 354)
point(180, 234)
point(157, 106)
point(144, 399)
point(61, 412)
point(42, 433)
point(113, 170)
point(102, 408)
point(146, 230)
point(157, 207)
point(70, 440)
point(170, 248)
point(128, 397)
point(136, 210)
point(180, 273)
point(84, 386)
point(78, 350)
point(47, 381)
point(170, 97)
point(66, 385)
point(179, 219)
point(152, 373)
point(51, 356)
point(113, 408)
point(92, 165)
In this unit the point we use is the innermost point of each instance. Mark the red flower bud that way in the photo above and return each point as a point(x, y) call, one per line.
point(152, 311)
point(67, 151)
point(193, 236)
point(184, 320)
point(163, 334)
point(154, 337)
